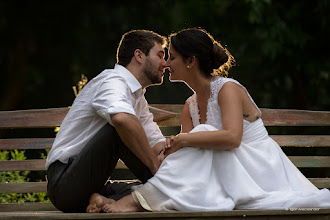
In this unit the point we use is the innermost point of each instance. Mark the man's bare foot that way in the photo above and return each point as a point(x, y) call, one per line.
point(126, 204)
point(96, 202)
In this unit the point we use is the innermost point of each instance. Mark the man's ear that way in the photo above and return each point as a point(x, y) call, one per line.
point(139, 56)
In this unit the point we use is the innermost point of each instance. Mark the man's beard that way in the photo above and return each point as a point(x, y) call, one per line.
point(151, 72)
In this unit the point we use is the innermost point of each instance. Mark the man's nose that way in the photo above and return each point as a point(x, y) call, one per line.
point(167, 64)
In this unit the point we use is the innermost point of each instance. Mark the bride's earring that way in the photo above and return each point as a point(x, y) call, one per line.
point(188, 66)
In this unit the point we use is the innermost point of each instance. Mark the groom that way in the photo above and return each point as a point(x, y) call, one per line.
point(110, 119)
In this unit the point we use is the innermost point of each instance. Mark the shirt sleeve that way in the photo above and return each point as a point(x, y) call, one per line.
point(151, 128)
point(113, 96)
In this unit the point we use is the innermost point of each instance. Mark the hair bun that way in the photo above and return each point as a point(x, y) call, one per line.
point(219, 55)
point(222, 60)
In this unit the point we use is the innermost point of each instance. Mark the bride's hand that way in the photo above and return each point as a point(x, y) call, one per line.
point(168, 142)
point(173, 144)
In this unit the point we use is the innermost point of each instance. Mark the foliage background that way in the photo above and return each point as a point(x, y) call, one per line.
point(281, 47)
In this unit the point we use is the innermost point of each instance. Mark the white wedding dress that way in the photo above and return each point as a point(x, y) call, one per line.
point(256, 175)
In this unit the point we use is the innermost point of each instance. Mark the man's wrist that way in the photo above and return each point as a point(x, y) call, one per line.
point(155, 164)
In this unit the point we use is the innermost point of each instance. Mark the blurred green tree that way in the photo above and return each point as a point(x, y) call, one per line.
point(281, 47)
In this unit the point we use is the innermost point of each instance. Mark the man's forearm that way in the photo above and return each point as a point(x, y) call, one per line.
point(132, 134)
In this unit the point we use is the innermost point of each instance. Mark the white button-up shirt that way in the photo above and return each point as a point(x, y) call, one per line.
point(112, 91)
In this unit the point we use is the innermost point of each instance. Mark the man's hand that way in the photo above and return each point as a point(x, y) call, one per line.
point(159, 150)
point(161, 156)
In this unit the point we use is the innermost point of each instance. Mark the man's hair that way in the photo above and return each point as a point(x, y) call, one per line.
point(137, 39)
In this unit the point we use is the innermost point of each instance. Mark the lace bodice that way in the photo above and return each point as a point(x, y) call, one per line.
point(213, 113)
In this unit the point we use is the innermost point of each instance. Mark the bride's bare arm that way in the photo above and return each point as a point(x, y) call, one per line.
point(186, 126)
point(186, 121)
point(230, 99)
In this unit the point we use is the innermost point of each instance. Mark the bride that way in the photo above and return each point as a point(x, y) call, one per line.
point(223, 159)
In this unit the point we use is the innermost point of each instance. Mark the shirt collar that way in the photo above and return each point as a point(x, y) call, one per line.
point(132, 82)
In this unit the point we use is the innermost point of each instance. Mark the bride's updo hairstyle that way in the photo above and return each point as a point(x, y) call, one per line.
point(212, 57)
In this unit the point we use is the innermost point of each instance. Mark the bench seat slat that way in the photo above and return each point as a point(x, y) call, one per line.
point(29, 187)
point(31, 211)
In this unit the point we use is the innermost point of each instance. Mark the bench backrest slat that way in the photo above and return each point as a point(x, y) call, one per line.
point(320, 182)
point(26, 187)
point(27, 206)
point(290, 117)
point(302, 140)
point(282, 140)
point(46, 118)
point(34, 165)
point(37, 118)
point(26, 143)
point(39, 164)
point(22, 165)
point(270, 117)
point(310, 161)
point(53, 117)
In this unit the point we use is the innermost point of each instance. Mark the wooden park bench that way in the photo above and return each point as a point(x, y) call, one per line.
point(303, 150)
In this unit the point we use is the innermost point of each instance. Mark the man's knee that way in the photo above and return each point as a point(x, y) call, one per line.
point(66, 195)
point(68, 199)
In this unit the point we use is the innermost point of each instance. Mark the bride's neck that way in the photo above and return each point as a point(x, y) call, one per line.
point(201, 85)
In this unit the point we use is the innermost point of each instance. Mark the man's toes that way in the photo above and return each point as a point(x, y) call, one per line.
point(93, 209)
point(106, 208)
point(89, 208)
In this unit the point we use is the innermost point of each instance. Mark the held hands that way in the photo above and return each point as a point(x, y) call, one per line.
point(159, 150)
point(173, 144)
